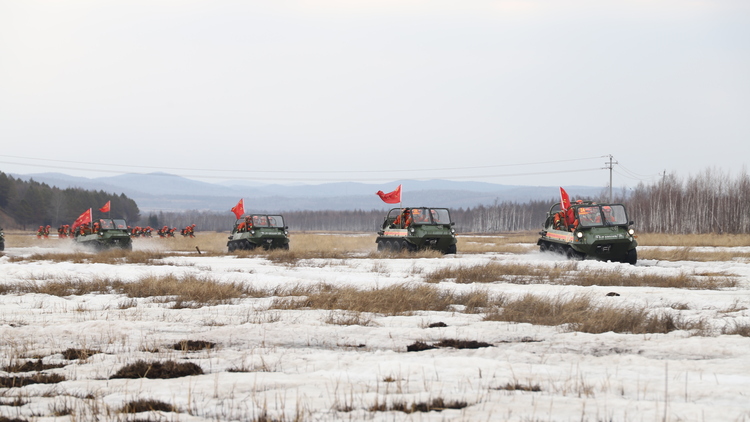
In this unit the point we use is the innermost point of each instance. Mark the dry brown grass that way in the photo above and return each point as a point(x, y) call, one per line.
point(503, 272)
point(690, 254)
point(392, 300)
point(110, 256)
point(186, 291)
point(688, 240)
point(515, 243)
point(578, 313)
point(737, 328)
point(567, 273)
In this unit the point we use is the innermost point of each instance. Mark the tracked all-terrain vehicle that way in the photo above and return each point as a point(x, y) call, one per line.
point(104, 233)
point(411, 229)
point(259, 231)
point(590, 230)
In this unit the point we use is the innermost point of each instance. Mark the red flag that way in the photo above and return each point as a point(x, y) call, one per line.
point(239, 209)
point(82, 219)
point(105, 208)
point(564, 199)
point(391, 197)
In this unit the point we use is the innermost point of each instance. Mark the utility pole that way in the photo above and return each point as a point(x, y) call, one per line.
point(610, 165)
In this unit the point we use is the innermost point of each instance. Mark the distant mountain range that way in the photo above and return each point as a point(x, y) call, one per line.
point(168, 192)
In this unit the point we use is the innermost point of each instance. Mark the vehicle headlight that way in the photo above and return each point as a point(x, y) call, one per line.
point(453, 231)
point(252, 231)
point(631, 231)
point(286, 233)
point(412, 230)
point(579, 235)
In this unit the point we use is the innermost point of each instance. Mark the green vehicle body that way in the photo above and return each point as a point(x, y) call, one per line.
point(2, 240)
point(430, 228)
point(267, 232)
point(603, 232)
point(113, 233)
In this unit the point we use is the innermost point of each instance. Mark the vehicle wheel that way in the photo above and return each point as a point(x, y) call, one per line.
point(285, 247)
point(381, 246)
point(451, 250)
point(248, 246)
point(230, 247)
point(388, 245)
point(543, 247)
point(632, 257)
point(572, 255)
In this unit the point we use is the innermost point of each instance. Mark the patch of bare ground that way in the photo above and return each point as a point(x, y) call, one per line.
point(16, 401)
point(436, 405)
point(567, 273)
point(21, 381)
point(578, 313)
point(81, 354)
point(391, 300)
point(146, 405)
point(31, 366)
point(517, 386)
point(193, 345)
point(155, 370)
point(6, 419)
point(452, 343)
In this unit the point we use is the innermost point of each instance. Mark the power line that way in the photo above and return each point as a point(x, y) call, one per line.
point(410, 170)
point(322, 179)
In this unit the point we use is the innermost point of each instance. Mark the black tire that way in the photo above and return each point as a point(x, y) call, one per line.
point(285, 247)
point(543, 247)
point(632, 257)
point(572, 255)
point(230, 246)
point(451, 250)
point(381, 245)
point(389, 245)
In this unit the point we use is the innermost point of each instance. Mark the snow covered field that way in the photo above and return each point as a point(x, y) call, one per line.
point(303, 365)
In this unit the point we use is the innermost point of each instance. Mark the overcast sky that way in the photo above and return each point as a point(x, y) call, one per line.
point(312, 91)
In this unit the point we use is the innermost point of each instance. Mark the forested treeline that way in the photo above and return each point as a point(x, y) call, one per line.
point(710, 202)
point(31, 203)
point(506, 216)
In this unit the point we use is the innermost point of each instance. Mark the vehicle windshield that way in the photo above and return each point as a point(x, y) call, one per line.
point(120, 224)
point(615, 215)
point(602, 215)
point(407, 216)
point(106, 224)
point(276, 221)
point(431, 216)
